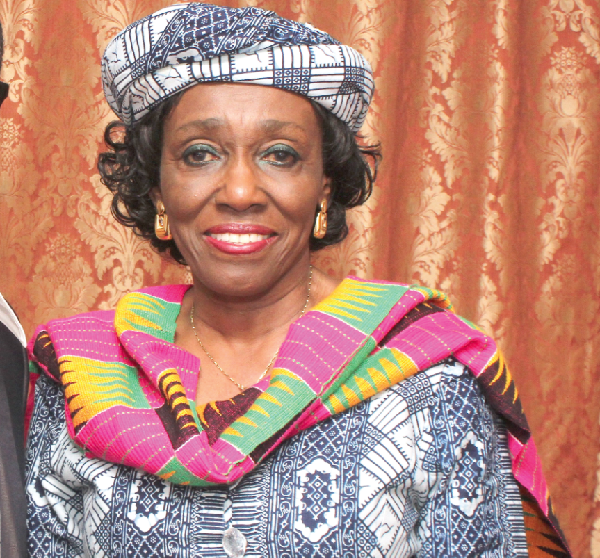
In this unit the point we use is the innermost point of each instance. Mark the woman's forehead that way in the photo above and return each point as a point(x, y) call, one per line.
point(220, 105)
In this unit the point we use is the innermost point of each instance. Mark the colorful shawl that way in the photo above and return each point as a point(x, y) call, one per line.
point(130, 392)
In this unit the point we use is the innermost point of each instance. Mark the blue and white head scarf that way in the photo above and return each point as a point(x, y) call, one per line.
point(187, 44)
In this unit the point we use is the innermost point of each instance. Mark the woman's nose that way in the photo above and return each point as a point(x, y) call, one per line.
point(241, 188)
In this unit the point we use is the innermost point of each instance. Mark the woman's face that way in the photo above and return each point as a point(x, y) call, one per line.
point(241, 178)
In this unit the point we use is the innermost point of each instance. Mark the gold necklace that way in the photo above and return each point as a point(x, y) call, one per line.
point(240, 386)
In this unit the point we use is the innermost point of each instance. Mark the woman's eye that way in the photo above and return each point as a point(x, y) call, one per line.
point(281, 155)
point(199, 154)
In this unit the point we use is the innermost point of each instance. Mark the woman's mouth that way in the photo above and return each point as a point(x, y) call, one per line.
point(239, 238)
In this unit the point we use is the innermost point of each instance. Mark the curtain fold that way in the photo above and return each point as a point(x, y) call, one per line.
point(488, 112)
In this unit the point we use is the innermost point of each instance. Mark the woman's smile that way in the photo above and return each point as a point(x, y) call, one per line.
point(240, 238)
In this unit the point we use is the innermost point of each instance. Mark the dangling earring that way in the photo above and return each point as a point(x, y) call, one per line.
point(320, 228)
point(161, 223)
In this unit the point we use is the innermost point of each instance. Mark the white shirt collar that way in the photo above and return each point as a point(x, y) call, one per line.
point(10, 320)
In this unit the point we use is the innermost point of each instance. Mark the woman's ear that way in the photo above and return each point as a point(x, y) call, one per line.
point(155, 195)
point(327, 188)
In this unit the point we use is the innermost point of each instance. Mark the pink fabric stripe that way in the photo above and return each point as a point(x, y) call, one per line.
point(222, 463)
point(155, 399)
point(438, 336)
point(194, 455)
point(168, 293)
point(427, 343)
point(527, 469)
point(134, 437)
point(317, 346)
point(155, 356)
point(88, 337)
point(226, 457)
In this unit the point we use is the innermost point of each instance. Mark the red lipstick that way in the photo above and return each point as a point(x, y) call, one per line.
point(239, 228)
point(240, 238)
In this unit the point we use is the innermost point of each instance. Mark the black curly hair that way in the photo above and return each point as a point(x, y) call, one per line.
point(131, 169)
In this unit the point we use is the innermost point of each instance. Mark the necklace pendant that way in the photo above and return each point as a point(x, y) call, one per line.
point(234, 543)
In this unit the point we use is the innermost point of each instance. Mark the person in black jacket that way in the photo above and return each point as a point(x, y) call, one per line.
point(13, 394)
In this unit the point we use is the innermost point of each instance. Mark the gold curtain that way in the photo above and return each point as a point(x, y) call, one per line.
point(489, 116)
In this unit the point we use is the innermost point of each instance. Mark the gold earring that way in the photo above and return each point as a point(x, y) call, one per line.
point(161, 223)
point(320, 228)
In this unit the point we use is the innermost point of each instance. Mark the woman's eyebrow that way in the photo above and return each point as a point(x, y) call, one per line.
point(278, 125)
point(214, 123)
point(203, 125)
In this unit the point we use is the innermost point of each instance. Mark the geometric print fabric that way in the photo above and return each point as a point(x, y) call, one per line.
point(377, 480)
point(184, 45)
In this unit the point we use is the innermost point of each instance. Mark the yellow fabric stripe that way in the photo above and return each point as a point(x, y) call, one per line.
point(351, 396)
point(336, 404)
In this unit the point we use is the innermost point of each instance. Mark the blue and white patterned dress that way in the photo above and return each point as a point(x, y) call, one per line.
point(421, 469)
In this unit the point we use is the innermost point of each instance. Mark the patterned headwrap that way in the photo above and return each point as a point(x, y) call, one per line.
point(186, 44)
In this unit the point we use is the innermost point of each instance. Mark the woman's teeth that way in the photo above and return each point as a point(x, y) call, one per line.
point(239, 238)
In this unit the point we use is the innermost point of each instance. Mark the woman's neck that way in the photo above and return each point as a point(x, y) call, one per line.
point(248, 319)
point(239, 338)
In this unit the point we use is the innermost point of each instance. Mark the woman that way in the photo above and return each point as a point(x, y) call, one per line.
point(267, 410)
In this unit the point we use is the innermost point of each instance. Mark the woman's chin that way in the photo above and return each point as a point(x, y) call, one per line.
point(233, 282)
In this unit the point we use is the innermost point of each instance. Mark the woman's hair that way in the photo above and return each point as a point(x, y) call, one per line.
point(132, 169)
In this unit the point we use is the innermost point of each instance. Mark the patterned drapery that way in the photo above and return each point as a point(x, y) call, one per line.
point(489, 116)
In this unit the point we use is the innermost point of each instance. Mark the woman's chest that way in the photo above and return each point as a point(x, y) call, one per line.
point(324, 493)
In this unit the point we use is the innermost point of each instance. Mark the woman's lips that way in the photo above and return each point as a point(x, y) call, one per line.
point(237, 238)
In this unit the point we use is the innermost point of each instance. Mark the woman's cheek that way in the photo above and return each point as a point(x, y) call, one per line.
point(183, 198)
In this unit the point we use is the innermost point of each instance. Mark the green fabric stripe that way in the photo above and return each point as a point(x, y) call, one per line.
point(362, 305)
point(126, 389)
point(182, 474)
point(157, 311)
point(279, 415)
point(351, 368)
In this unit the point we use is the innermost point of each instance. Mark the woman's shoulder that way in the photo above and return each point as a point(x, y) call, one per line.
point(444, 404)
point(166, 293)
point(77, 320)
point(85, 324)
point(96, 332)
point(448, 383)
point(401, 297)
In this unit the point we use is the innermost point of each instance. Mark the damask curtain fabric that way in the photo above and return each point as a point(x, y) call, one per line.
point(488, 112)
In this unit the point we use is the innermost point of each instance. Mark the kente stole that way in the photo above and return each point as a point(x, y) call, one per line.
point(130, 392)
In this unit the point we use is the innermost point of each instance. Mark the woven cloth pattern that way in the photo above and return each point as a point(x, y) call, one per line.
point(187, 44)
point(131, 392)
point(421, 470)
